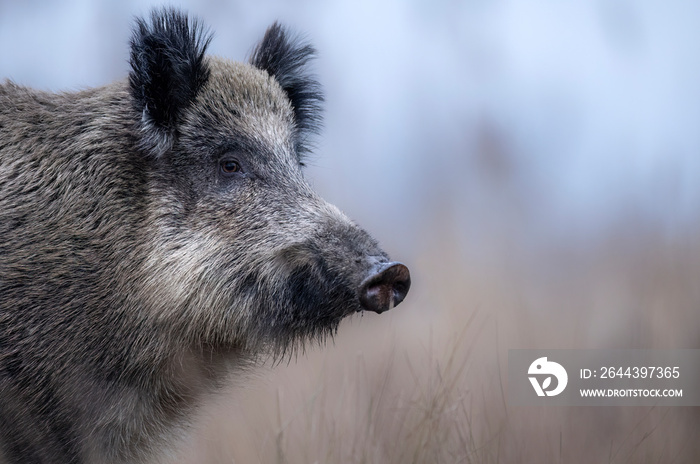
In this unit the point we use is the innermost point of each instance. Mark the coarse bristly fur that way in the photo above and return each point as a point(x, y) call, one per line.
point(168, 69)
point(285, 60)
point(157, 237)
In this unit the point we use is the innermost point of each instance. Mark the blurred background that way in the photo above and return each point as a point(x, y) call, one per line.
point(537, 166)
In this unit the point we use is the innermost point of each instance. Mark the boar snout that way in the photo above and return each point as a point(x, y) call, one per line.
point(385, 287)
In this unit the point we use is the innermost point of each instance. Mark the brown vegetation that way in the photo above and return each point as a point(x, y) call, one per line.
point(426, 383)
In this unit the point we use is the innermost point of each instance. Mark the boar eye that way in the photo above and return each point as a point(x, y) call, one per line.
point(229, 166)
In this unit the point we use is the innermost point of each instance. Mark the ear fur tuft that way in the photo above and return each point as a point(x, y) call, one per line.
point(285, 59)
point(167, 71)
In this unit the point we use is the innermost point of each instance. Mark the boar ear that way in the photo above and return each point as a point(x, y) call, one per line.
point(167, 71)
point(285, 59)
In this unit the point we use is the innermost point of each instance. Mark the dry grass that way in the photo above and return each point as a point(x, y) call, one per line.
point(426, 382)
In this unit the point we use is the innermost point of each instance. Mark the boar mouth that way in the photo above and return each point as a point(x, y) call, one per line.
point(306, 293)
point(318, 300)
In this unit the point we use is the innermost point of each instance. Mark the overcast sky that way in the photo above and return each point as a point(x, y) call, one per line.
point(573, 114)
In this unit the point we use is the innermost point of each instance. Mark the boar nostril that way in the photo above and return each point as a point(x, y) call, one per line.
point(385, 287)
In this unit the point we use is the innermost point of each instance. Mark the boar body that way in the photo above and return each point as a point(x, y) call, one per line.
point(157, 236)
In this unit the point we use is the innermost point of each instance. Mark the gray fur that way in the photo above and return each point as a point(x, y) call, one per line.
point(131, 285)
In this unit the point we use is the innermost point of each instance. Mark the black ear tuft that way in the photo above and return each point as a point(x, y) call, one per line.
point(167, 71)
point(285, 59)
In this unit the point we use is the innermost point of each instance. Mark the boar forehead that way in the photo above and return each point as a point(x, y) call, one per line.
point(241, 106)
